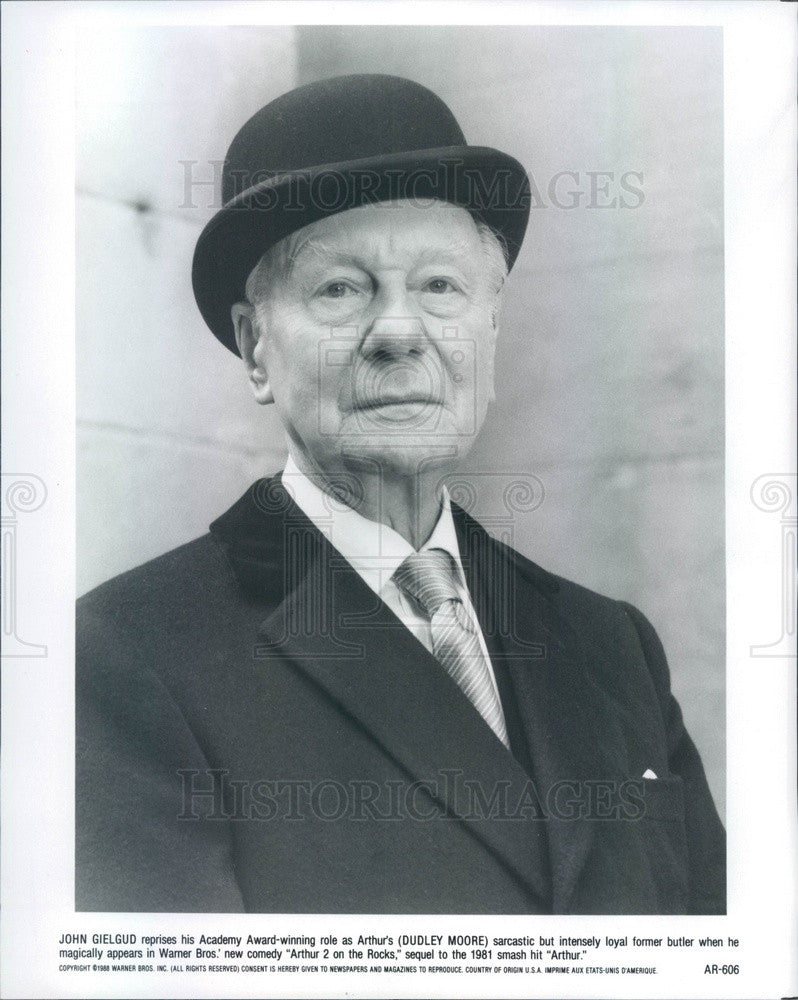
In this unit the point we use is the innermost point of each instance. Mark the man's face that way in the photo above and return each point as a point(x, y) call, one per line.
point(374, 332)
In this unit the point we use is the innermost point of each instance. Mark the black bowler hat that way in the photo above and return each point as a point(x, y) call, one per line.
point(335, 145)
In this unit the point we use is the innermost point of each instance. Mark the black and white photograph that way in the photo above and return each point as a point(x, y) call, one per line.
point(486, 334)
point(404, 538)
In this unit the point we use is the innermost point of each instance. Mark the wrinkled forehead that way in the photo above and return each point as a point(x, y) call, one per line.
point(386, 234)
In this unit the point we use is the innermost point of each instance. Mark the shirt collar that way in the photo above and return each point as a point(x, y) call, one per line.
point(374, 550)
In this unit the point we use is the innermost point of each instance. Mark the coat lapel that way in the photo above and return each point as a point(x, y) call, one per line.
point(569, 726)
point(332, 629)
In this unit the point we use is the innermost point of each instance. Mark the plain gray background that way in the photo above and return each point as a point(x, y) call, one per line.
point(610, 365)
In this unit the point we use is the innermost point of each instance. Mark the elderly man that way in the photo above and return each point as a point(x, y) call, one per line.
point(348, 697)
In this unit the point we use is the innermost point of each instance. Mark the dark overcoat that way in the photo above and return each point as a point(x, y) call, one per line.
point(256, 731)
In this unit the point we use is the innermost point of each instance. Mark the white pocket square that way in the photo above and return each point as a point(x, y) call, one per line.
point(648, 773)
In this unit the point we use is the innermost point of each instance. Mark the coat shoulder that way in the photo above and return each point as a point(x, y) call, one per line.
point(595, 620)
point(585, 613)
point(578, 603)
point(168, 615)
point(175, 578)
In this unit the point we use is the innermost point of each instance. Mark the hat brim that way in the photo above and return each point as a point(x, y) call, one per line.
point(491, 185)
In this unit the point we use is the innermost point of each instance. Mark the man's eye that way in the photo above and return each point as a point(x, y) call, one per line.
point(439, 286)
point(336, 290)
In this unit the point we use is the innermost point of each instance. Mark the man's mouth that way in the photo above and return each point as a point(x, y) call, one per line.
point(380, 402)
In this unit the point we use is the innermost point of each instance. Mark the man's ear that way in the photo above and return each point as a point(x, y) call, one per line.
point(494, 319)
point(247, 339)
point(496, 313)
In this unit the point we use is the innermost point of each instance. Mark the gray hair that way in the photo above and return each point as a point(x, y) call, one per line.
point(496, 253)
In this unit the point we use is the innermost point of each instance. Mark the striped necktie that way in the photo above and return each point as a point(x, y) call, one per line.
point(429, 578)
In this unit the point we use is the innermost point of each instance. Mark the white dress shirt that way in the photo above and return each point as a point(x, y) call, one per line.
point(375, 551)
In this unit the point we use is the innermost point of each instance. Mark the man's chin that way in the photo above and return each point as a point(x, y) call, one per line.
point(405, 455)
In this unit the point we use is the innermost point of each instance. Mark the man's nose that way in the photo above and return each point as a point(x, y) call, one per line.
point(395, 327)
